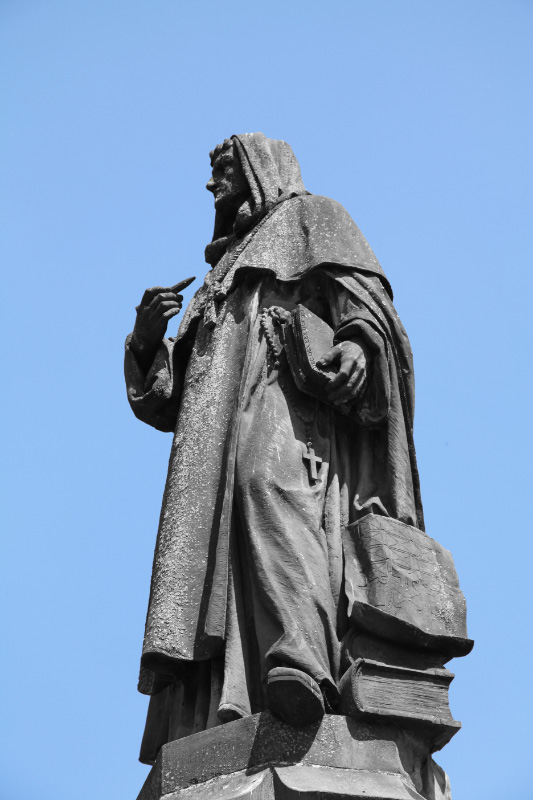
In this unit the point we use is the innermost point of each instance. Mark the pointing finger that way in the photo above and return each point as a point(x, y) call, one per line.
point(179, 287)
point(149, 294)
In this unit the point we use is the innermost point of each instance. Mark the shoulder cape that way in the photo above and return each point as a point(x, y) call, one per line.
point(307, 232)
point(296, 237)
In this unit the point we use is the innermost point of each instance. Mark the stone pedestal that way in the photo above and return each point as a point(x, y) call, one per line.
point(262, 758)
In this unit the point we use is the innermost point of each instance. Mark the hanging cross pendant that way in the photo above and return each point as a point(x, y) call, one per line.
point(312, 462)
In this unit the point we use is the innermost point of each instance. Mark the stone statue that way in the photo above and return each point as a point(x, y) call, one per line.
point(292, 576)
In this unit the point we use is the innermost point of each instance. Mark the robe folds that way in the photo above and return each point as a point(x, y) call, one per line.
point(248, 564)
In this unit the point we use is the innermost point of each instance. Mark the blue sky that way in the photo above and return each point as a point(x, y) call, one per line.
point(417, 117)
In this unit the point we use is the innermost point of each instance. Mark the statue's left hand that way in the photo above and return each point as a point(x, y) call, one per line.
point(351, 378)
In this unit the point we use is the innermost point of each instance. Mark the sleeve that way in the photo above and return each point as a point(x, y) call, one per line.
point(352, 320)
point(154, 397)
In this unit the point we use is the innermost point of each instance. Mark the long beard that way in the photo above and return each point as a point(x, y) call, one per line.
point(228, 228)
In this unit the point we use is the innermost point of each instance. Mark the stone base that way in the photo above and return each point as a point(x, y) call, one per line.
point(262, 758)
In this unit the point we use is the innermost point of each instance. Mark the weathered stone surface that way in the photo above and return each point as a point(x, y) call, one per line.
point(291, 543)
point(338, 758)
point(413, 699)
point(310, 782)
point(402, 585)
point(242, 785)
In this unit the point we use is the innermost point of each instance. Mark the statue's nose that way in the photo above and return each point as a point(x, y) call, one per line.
point(210, 185)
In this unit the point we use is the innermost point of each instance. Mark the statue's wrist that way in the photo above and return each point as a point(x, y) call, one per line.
point(143, 351)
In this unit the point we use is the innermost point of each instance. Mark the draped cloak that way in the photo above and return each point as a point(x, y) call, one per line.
point(238, 510)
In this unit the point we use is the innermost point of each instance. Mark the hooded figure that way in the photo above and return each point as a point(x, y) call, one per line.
point(252, 595)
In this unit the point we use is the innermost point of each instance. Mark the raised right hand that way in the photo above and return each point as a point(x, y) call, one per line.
point(156, 308)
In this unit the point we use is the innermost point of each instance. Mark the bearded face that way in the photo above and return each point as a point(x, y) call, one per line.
point(228, 182)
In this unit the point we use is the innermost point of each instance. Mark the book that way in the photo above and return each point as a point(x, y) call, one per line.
point(307, 338)
point(409, 697)
point(402, 586)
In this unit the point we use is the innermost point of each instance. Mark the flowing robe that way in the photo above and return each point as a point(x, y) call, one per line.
point(248, 565)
